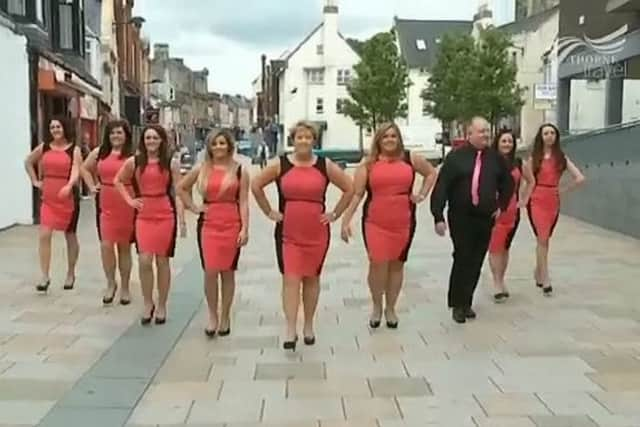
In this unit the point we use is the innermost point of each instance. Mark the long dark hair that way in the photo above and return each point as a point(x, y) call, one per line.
point(105, 147)
point(537, 153)
point(511, 157)
point(67, 126)
point(164, 156)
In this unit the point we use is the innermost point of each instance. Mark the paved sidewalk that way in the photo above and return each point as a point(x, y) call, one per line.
point(570, 360)
point(47, 342)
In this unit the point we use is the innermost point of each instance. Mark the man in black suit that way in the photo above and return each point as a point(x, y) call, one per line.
point(475, 183)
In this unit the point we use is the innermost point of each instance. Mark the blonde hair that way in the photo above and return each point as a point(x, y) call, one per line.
point(374, 150)
point(306, 125)
point(207, 165)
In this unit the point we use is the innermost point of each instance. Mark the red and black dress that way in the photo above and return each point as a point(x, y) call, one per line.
point(302, 241)
point(507, 223)
point(219, 225)
point(58, 213)
point(544, 204)
point(156, 222)
point(115, 218)
point(389, 214)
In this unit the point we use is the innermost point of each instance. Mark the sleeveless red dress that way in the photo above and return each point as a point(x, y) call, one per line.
point(544, 205)
point(302, 241)
point(156, 222)
point(60, 214)
point(114, 217)
point(219, 225)
point(388, 214)
point(507, 223)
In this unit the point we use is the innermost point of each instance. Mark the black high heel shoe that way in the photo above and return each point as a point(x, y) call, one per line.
point(210, 333)
point(309, 340)
point(225, 333)
point(69, 286)
point(147, 320)
point(374, 324)
point(43, 286)
point(106, 300)
point(547, 291)
point(290, 345)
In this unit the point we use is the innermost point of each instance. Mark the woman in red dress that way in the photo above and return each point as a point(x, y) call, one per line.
point(302, 223)
point(54, 168)
point(223, 223)
point(507, 222)
point(389, 215)
point(547, 164)
point(154, 176)
point(114, 217)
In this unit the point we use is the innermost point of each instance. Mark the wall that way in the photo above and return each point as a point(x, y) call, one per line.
point(14, 86)
point(631, 101)
point(529, 48)
point(611, 162)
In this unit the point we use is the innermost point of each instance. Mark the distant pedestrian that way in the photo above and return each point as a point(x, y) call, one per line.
point(262, 154)
point(85, 149)
point(114, 217)
point(54, 169)
point(387, 175)
point(154, 175)
point(547, 164)
point(507, 222)
point(475, 182)
point(302, 224)
point(223, 223)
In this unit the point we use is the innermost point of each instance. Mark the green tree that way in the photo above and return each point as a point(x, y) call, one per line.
point(500, 94)
point(450, 94)
point(378, 90)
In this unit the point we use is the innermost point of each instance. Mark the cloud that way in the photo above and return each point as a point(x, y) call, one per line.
point(228, 36)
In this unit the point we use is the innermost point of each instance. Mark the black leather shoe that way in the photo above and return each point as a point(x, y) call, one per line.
point(459, 315)
point(309, 340)
point(469, 313)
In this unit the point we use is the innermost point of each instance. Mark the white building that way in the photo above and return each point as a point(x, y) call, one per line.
point(504, 11)
point(532, 38)
point(312, 83)
point(110, 77)
point(419, 43)
point(16, 127)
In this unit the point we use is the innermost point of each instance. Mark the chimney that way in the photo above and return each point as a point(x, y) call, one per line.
point(483, 19)
point(330, 30)
point(161, 51)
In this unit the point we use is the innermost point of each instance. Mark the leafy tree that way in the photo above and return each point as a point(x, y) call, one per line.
point(450, 93)
point(473, 78)
point(378, 90)
point(500, 94)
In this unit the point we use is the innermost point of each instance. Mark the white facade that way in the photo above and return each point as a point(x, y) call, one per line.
point(108, 63)
point(93, 54)
point(419, 129)
point(504, 11)
point(314, 82)
point(14, 87)
point(529, 48)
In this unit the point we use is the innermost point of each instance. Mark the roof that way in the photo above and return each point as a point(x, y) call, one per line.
point(409, 31)
point(530, 23)
point(306, 39)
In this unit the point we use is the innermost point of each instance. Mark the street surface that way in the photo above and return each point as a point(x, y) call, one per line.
point(567, 361)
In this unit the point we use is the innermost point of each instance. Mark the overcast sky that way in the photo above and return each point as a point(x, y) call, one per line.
point(228, 36)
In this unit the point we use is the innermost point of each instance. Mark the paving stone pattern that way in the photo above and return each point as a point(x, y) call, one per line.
point(566, 361)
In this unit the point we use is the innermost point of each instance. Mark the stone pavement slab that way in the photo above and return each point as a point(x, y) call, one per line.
point(569, 360)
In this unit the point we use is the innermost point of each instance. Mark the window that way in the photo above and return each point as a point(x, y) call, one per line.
point(425, 108)
point(17, 7)
point(421, 44)
point(514, 57)
point(344, 76)
point(423, 70)
point(68, 25)
point(438, 40)
point(87, 55)
point(340, 103)
point(316, 76)
point(39, 10)
point(319, 106)
point(320, 49)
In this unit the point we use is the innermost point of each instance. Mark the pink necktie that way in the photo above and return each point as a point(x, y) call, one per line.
point(475, 182)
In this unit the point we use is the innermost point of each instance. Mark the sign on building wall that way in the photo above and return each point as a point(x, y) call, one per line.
point(544, 96)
